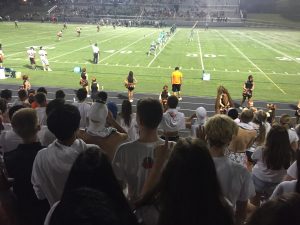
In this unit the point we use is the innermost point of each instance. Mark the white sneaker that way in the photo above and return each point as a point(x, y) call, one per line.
point(131, 100)
point(241, 108)
point(179, 98)
point(88, 96)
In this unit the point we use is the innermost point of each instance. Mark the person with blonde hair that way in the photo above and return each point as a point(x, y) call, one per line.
point(19, 164)
point(235, 180)
point(244, 139)
point(285, 121)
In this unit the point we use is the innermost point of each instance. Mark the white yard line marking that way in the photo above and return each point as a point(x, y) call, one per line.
point(142, 38)
point(55, 44)
point(200, 52)
point(280, 40)
point(155, 57)
point(270, 47)
point(89, 46)
point(252, 63)
point(164, 68)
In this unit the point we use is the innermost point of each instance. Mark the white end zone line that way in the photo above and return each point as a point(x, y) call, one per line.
point(269, 47)
point(252, 63)
point(155, 57)
point(107, 57)
point(200, 52)
point(88, 46)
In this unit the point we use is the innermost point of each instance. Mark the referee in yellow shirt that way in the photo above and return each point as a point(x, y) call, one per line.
point(176, 81)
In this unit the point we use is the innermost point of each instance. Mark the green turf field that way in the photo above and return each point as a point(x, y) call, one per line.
point(229, 55)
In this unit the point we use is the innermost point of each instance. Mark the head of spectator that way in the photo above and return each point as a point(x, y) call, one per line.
point(54, 104)
point(113, 108)
point(25, 123)
point(43, 90)
point(247, 115)
point(97, 117)
point(126, 111)
point(176, 68)
point(149, 113)
point(285, 121)
point(86, 206)
point(92, 169)
point(60, 94)
point(201, 115)
point(14, 109)
point(233, 113)
point(40, 99)
point(22, 94)
point(260, 118)
point(102, 96)
point(278, 211)
point(6, 94)
point(219, 131)
point(277, 153)
point(64, 122)
point(172, 102)
point(81, 94)
point(31, 98)
point(191, 202)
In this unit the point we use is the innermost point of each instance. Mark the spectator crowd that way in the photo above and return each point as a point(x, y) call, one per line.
point(86, 163)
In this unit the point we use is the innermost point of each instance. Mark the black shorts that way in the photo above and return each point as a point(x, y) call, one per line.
point(176, 87)
point(32, 61)
point(130, 88)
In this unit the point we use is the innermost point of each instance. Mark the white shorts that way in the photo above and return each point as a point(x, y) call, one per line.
point(45, 61)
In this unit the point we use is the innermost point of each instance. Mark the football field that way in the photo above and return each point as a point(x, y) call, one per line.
point(228, 55)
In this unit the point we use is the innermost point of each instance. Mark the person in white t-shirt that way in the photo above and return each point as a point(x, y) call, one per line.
point(44, 59)
point(82, 106)
point(31, 55)
point(52, 165)
point(41, 101)
point(173, 121)
point(127, 120)
point(235, 180)
point(95, 53)
point(45, 136)
point(292, 185)
point(272, 161)
point(134, 160)
point(198, 120)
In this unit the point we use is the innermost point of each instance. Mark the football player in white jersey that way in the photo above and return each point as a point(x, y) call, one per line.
point(44, 59)
point(31, 55)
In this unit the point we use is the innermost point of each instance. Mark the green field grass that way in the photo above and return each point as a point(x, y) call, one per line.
point(229, 55)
